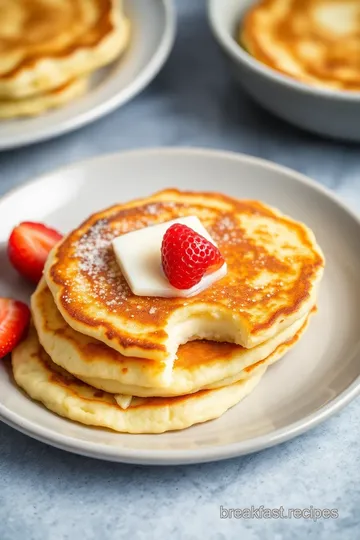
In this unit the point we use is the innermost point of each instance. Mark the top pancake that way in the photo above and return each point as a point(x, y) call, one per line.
point(274, 267)
point(45, 43)
point(314, 41)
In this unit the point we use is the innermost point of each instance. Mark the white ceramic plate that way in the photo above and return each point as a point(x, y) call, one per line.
point(312, 382)
point(153, 32)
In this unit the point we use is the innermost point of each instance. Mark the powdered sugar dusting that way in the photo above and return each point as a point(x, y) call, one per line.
point(92, 247)
point(96, 260)
point(99, 277)
point(152, 209)
point(226, 231)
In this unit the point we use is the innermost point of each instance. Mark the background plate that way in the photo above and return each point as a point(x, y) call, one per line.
point(153, 32)
point(313, 381)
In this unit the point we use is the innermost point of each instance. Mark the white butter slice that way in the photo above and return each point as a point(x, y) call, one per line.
point(138, 254)
point(123, 401)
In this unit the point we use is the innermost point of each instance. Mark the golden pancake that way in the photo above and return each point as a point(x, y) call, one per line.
point(190, 364)
point(274, 268)
point(63, 394)
point(46, 43)
point(199, 364)
point(314, 41)
point(38, 104)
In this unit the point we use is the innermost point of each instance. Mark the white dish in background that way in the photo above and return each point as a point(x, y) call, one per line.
point(326, 112)
point(152, 36)
point(313, 381)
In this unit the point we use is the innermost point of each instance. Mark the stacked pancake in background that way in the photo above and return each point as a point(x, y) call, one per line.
point(49, 48)
point(314, 41)
point(101, 355)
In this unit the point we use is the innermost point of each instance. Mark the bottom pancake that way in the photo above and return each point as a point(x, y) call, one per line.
point(60, 392)
point(40, 103)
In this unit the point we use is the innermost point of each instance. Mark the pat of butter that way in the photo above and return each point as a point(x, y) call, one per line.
point(138, 254)
point(124, 402)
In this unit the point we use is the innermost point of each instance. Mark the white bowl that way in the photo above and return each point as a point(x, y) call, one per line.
point(326, 112)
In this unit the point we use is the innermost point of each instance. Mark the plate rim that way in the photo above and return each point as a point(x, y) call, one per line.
point(137, 85)
point(215, 453)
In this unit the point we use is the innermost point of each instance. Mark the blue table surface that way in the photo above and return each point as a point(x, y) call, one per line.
point(48, 494)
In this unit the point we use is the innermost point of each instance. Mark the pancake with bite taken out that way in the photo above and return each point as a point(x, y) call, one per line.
point(274, 269)
point(199, 364)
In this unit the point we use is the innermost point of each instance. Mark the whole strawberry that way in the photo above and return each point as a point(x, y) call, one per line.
point(187, 256)
point(28, 248)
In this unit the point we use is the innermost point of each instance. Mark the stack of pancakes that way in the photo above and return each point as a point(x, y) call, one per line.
point(99, 354)
point(314, 41)
point(48, 49)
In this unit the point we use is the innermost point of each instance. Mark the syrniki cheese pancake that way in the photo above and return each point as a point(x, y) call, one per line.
point(191, 365)
point(46, 43)
point(199, 364)
point(40, 103)
point(314, 41)
point(274, 268)
point(60, 392)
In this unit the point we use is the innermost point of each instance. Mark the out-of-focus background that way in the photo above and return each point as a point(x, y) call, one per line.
point(48, 494)
point(193, 102)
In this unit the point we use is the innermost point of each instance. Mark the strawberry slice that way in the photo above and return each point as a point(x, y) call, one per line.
point(14, 320)
point(187, 256)
point(28, 248)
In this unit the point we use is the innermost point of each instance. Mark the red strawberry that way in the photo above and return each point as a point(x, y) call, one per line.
point(187, 256)
point(14, 320)
point(28, 248)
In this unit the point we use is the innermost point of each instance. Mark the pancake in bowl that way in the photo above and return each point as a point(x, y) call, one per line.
point(41, 103)
point(274, 269)
point(61, 393)
point(314, 41)
point(199, 364)
point(46, 43)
